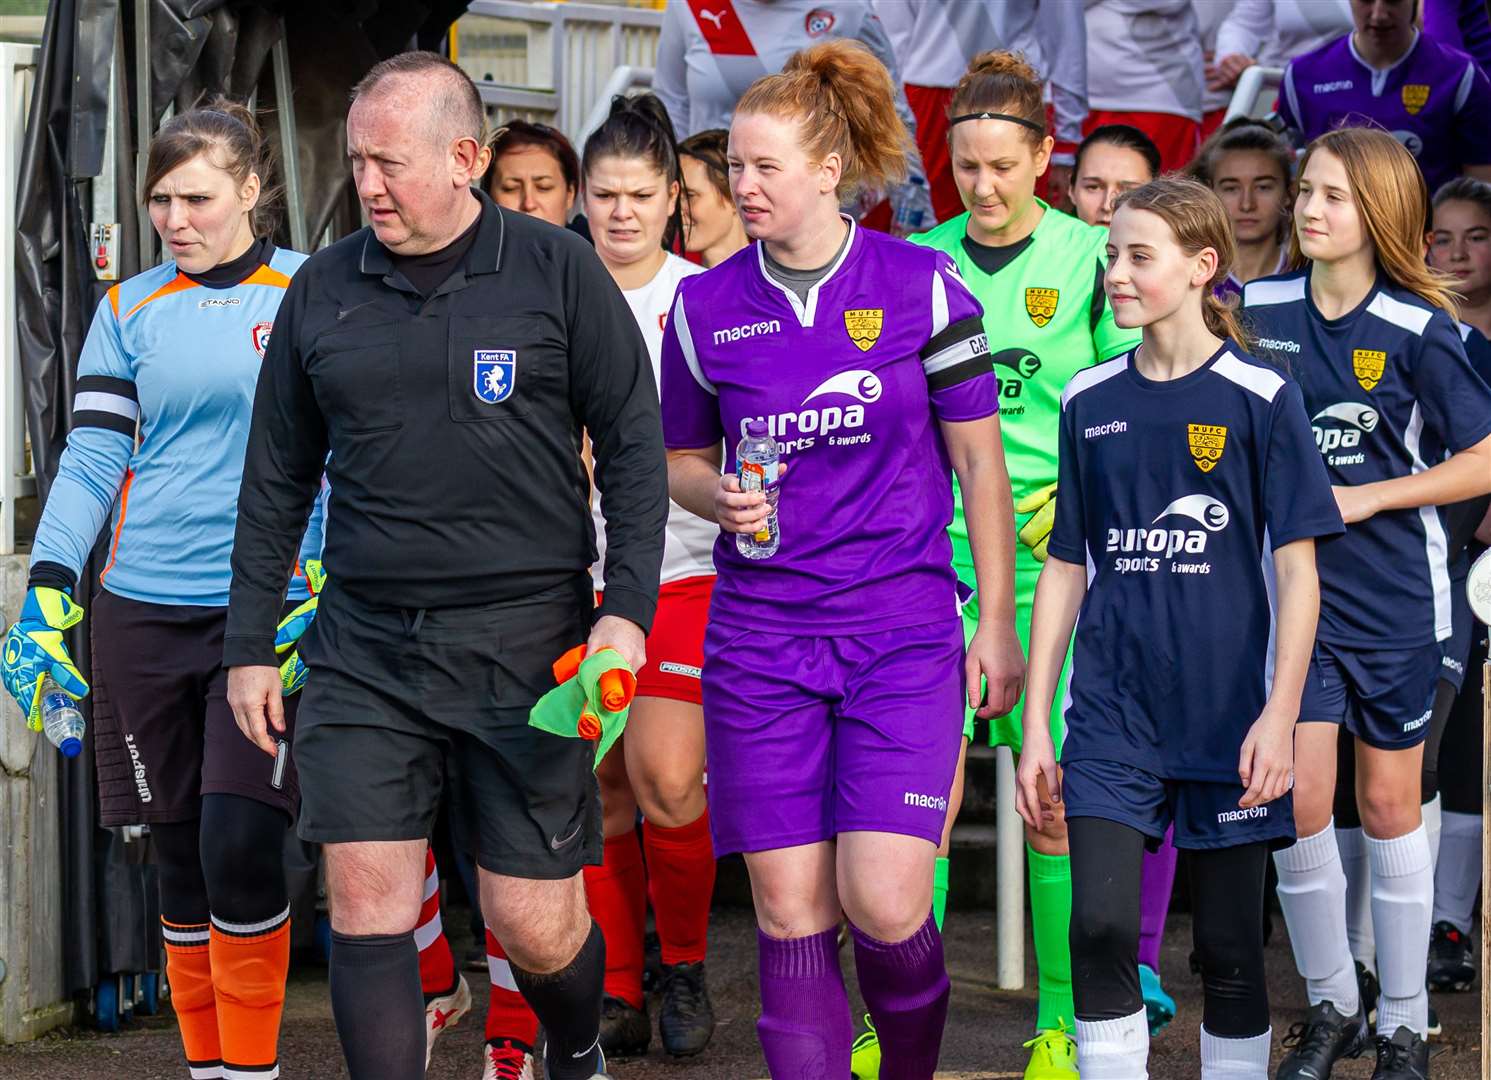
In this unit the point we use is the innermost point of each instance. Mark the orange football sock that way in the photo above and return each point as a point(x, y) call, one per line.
point(249, 965)
point(189, 973)
point(617, 890)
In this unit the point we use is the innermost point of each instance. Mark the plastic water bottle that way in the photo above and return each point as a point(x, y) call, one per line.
point(908, 216)
point(756, 466)
point(60, 718)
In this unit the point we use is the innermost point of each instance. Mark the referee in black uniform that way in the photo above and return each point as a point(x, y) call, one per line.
point(449, 357)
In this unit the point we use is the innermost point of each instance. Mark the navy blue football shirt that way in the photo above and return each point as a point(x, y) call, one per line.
point(1389, 392)
point(1174, 495)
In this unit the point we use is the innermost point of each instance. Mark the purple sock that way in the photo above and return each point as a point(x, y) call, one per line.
point(905, 987)
point(805, 1029)
point(1156, 882)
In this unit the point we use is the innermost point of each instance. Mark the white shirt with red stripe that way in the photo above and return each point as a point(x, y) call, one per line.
point(1144, 56)
point(689, 548)
point(935, 39)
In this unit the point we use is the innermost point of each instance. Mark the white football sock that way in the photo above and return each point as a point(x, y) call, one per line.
point(1114, 1049)
point(1457, 875)
point(1358, 870)
point(1235, 1059)
point(1402, 900)
point(1433, 817)
point(1312, 892)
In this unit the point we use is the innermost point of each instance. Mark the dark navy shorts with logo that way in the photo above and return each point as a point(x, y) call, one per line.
point(1457, 646)
point(1204, 812)
point(1384, 696)
point(402, 704)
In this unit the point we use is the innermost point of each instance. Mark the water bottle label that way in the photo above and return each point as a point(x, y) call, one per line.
point(757, 477)
point(55, 701)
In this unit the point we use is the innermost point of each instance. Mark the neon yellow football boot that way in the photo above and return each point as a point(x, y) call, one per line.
point(864, 1059)
point(1053, 1055)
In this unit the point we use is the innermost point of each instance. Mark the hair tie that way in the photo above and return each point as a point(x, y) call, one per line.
point(1039, 129)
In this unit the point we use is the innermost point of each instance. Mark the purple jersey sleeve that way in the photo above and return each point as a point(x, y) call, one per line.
point(1472, 134)
point(1069, 533)
point(691, 407)
point(959, 370)
point(1289, 109)
point(1297, 498)
point(1455, 402)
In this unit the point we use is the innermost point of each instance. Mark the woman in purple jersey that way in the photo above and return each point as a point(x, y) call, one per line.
point(1404, 426)
point(834, 674)
point(1251, 169)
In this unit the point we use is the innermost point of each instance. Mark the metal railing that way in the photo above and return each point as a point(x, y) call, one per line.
point(17, 479)
point(554, 61)
point(1257, 87)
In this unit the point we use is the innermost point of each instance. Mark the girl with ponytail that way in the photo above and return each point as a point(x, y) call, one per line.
point(1185, 465)
point(631, 198)
point(835, 669)
point(1404, 425)
point(1038, 274)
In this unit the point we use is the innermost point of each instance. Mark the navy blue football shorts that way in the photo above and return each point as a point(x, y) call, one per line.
point(1204, 812)
point(1384, 696)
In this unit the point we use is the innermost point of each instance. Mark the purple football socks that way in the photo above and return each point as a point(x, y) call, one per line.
point(905, 987)
point(1157, 881)
point(805, 1028)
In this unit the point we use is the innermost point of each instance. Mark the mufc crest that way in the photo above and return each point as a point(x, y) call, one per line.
point(1040, 305)
point(494, 371)
point(261, 337)
point(1368, 365)
point(1415, 97)
point(1207, 441)
point(863, 325)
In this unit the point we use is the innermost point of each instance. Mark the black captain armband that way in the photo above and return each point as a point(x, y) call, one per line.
point(103, 401)
point(959, 353)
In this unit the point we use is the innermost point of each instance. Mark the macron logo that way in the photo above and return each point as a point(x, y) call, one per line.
point(1226, 817)
point(735, 333)
point(929, 802)
point(1112, 427)
point(1332, 87)
point(1278, 346)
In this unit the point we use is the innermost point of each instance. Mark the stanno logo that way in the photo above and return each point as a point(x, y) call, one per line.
point(1277, 345)
point(1112, 427)
point(1332, 87)
point(142, 786)
point(1227, 817)
point(928, 802)
point(218, 302)
point(755, 329)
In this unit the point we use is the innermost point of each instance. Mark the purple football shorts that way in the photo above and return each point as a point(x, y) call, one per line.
point(809, 737)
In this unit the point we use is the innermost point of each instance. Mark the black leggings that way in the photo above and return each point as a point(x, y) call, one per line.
point(1460, 754)
point(230, 862)
point(1227, 927)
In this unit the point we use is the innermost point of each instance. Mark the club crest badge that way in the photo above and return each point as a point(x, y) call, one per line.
point(1368, 365)
point(261, 337)
point(494, 372)
point(1415, 97)
point(863, 325)
point(1207, 441)
point(1040, 305)
point(818, 22)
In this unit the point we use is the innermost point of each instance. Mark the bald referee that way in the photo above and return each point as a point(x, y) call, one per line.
point(449, 357)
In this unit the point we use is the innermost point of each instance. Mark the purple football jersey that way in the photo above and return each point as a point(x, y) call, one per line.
point(852, 383)
point(1435, 101)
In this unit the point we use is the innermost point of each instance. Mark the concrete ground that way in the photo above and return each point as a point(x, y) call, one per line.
point(984, 1031)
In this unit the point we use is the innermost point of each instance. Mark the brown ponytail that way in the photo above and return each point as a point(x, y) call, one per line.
point(1199, 221)
point(1002, 82)
point(846, 103)
point(228, 133)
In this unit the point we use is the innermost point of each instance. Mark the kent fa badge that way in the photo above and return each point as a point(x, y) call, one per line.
point(1368, 365)
point(1040, 305)
point(863, 325)
point(1207, 442)
point(261, 337)
point(494, 371)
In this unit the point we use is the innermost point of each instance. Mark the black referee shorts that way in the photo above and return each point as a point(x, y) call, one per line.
point(399, 703)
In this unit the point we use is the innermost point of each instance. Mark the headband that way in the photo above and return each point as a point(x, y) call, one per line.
point(1031, 124)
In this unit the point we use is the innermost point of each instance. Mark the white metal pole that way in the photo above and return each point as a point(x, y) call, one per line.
point(1009, 863)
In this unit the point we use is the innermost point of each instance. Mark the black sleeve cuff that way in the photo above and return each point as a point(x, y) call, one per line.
point(249, 651)
point(51, 575)
point(626, 604)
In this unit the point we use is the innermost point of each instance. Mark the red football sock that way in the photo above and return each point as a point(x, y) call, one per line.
point(618, 902)
point(437, 967)
point(508, 1014)
point(680, 871)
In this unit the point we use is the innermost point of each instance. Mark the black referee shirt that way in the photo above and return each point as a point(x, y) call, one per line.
point(454, 425)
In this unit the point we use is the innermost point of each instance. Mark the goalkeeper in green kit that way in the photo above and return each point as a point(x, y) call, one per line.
point(1039, 275)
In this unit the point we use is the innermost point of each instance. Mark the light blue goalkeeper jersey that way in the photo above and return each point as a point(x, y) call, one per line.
point(178, 361)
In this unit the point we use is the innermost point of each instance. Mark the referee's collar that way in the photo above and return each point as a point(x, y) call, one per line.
point(486, 250)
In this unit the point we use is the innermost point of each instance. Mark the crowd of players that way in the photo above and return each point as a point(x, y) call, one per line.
point(1134, 393)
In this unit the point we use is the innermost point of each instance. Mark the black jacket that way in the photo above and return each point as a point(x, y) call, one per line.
point(454, 425)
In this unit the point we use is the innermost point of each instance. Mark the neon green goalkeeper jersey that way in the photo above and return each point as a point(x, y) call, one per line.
point(1047, 318)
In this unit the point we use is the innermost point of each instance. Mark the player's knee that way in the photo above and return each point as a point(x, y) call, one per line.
point(243, 865)
point(541, 924)
point(889, 918)
point(1051, 837)
point(1387, 807)
point(1099, 936)
point(671, 798)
